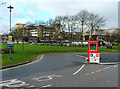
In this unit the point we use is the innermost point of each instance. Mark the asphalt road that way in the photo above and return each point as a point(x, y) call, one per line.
point(63, 70)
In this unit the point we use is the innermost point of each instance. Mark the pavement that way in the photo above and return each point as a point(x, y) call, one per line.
point(63, 70)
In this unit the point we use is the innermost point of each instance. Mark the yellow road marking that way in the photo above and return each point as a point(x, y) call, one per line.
point(25, 64)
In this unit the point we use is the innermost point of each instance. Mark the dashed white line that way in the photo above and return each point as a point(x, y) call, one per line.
point(92, 72)
point(79, 70)
point(100, 70)
point(87, 74)
point(47, 86)
point(109, 63)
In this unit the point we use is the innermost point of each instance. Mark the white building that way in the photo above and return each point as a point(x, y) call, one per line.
point(100, 33)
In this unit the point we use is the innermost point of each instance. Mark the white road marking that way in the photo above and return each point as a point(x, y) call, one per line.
point(92, 72)
point(43, 78)
point(83, 57)
point(47, 86)
point(100, 70)
point(46, 78)
point(79, 70)
point(14, 83)
point(109, 63)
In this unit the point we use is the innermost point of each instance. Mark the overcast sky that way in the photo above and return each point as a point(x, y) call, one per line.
point(32, 10)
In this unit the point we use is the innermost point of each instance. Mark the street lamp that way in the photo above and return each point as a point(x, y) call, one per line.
point(10, 7)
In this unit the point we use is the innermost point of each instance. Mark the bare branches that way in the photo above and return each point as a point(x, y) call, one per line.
point(95, 21)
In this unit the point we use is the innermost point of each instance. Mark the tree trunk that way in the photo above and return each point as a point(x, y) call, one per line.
point(82, 37)
point(22, 44)
point(17, 41)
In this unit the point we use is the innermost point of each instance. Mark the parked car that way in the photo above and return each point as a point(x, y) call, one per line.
point(68, 44)
point(57, 44)
point(85, 45)
point(40, 43)
point(46, 43)
point(33, 43)
point(4, 41)
point(74, 44)
point(64, 44)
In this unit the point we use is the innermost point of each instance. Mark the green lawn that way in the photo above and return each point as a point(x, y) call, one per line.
point(32, 51)
point(116, 45)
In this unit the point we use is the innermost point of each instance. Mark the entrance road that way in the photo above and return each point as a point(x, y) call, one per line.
point(62, 70)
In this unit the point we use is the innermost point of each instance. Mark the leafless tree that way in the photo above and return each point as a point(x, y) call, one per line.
point(69, 24)
point(51, 29)
point(82, 19)
point(20, 30)
point(60, 24)
point(107, 37)
point(95, 21)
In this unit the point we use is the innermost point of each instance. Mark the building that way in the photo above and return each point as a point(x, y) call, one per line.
point(21, 33)
point(99, 34)
point(43, 33)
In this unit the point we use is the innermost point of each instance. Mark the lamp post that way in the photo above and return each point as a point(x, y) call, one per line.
point(10, 7)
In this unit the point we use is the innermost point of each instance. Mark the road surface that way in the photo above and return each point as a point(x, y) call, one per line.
point(63, 70)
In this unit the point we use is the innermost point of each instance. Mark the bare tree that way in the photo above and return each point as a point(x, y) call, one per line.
point(95, 21)
point(82, 18)
point(51, 29)
point(20, 30)
point(60, 24)
point(70, 23)
point(107, 37)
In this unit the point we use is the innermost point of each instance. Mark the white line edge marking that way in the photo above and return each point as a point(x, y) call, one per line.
point(79, 70)
point(46, 86)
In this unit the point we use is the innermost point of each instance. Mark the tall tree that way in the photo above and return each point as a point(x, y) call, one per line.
point(82, 18)
point(95, 21)
point(70, 22)
point(20, 30)
point(60, 24)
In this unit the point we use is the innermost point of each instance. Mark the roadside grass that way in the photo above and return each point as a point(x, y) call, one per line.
point(30, 52)
point(116, 45)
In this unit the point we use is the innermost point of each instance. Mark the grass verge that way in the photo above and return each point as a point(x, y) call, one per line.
point(32, 51)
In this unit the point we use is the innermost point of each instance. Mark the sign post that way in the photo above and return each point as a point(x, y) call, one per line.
point(93, 55)
point(10, 44)
point(10, 37)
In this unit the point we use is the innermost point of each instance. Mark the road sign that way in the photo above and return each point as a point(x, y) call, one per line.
point(10, 43)
point(10, 38)
point(94, 58)
point(93, 55)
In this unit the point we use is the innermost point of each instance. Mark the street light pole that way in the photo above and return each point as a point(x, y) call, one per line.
point(10, 7)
